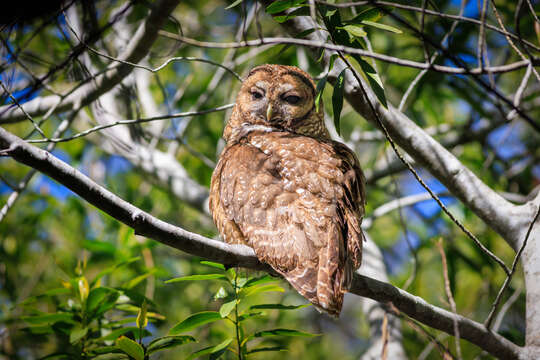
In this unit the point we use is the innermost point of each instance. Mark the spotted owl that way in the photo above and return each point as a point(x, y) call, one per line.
point(284, 188)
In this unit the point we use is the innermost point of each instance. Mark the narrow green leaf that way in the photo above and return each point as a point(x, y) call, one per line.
point(113, 335)
point(282, 332)
point(226, 308)
point(142, 319)
point(373, 78)
point(382, 26)
point(233, 4)
point(100, 300)
point(113, 356)
point(130, 347)
point(77, 333)
point(278, 306)
point(267, 349)
point(354, 30)
point(371, 14)
point(112, 269)
point(195, 321)
point(197, 278)
point(337, 99)
point(282, 5)
point(167, 342)
point(211, 350)
point(48, 318)
point(250, 315)
point(213, 264)
point(252, 290)
point(320, 89)
point(135, 281)
point(260, 280)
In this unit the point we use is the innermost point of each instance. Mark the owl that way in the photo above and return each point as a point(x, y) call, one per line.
point(284, 188)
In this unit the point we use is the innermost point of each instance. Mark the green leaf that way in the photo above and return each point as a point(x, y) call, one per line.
point(113, 268)
point(218, 349)
point(371, 14)
point(195, 321)
point(84, 289)
point(48, 318)
point(282, 332)
point(320, 89)
point(167, 342)
point(260, 280)
point(267, 349)
point(142, 319)
point(221, 293)
point(354, 30)
point(282, 5)
point(250, 315)
point(113, 335)
point(77, 333)
point(112, 356)
point(226, 308)
point(382, 26)
point(278, 306)
point(130, 347)
point(197, 278)
point(302, 11)
point(135, 281)
point(374, 80)
point(252, 290)
point(95, 246)
point(233, 4)
point(100, 300)
point(337, 99)
point(213, 264)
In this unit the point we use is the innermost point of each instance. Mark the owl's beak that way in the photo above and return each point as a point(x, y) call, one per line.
point(269, 112)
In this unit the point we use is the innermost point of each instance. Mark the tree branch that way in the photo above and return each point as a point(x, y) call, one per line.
point(237, 255)
point(136, 50)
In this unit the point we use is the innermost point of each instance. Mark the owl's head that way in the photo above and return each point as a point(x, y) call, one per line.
point(280, 97)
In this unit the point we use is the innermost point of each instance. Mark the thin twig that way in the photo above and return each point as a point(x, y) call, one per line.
point(135, 121)
point(450, 296)
point(489, 319)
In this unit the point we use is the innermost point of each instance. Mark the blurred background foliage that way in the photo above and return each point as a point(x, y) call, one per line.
point(50, 231)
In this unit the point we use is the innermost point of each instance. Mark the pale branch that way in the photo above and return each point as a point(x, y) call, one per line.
point(146, 225)
point(137, 49)
point(502, 216)
point(349, 50)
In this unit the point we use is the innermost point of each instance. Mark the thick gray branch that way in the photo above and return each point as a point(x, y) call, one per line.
point(149, 226)
point(136, 50)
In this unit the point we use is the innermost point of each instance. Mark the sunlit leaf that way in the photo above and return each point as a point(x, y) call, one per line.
point(354, 30)
point(135, 281)
point(48, 318)
point(77, 333)
point(213, 264)
point(221, 293)
point(260, 280)
point(142, 319)
point(233, 4)
point(282, 332)
point(267, 349)
point(252, 290)
point(195, 321)
point(197, 278)
point(218, 349)
point(113, 335)
point(374, 80)
point(302, 11)
point(226, 308)
point(168, 342)
point(382, 26)
point(130, 347)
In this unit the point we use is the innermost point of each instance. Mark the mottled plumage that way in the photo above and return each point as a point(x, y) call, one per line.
point(284, 188)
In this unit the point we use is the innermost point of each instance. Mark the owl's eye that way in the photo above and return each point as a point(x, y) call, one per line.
point(292, 99)
point(256, 95)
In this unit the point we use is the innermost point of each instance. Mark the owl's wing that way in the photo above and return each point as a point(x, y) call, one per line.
point(298, 202)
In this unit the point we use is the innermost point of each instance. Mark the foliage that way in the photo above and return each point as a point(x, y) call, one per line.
point(46, 307)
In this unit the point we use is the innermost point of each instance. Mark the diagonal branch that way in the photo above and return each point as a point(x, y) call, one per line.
point(136, 50)
point(237, 255)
